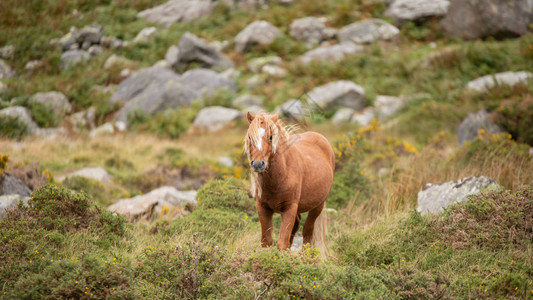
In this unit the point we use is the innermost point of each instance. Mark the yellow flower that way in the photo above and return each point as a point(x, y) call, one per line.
point(106, 261)
point(52, 260)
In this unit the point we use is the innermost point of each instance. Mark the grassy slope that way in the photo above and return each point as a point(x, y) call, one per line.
point(381, 251)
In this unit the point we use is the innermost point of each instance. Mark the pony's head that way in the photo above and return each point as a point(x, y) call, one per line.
point(264, 136)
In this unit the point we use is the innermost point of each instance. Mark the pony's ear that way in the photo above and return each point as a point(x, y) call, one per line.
point(250, 117)
point(274, 117)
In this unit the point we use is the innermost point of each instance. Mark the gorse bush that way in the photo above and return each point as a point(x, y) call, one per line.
point(13, 128)
point(34, 243)
point(169, 123)
point(230, 194)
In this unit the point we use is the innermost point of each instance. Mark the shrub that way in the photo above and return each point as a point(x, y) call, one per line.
point(12, 127)
point(35, 243)
point(99, 193)
point(516, 116)
point(230, 194)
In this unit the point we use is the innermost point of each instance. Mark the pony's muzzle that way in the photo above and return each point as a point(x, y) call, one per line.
point(258, 165)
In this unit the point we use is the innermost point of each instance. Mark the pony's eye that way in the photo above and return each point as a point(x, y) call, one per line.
point(270, 138)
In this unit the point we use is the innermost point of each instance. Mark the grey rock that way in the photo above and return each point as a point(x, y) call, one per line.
point(297, 243)
point(69, 39)
point(367, 31)
point(332, 53)
point(72, 58)
point(497, 18)
point(254, 109)
point(214, 118)
point(487, 82)
point(10, 185)
point(23, 115)
point(226, 161)
point(342, 93)
point(50, 134)
point(145, 35)
point(104, 129)
point(56, 100)
point(310, 30)
point(94, 173)
point(172, 55)
point(95, 50)
point(9, 202)
point(151, 90)
point(115, 61)
point(83, 119)
point(365, 117)
point(274, 71)
point(7, 52)
point(256, 64)
point(433, 198)
point(412, 10)
point(294, 109)
point(257, 33)
point(246, 4)
point(195, 49)
point(148, 206)
point(469, 128)
point(91, 34)
point(33, 65)
point(177, 11)
point(530, 152)
point(255, 81)
point(342, 115)
point(5, 70)
point(247, 100)
point(205, 81)
point(387, 106)
point(111, 42)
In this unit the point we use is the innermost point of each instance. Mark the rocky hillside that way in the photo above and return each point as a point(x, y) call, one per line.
point(121, 165)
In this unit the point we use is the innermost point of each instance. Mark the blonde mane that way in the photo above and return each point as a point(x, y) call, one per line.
point(280, 133)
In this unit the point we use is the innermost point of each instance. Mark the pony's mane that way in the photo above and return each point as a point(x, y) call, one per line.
point(280, 132)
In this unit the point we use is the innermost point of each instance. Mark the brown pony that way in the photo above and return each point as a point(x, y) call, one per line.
point(292, 174)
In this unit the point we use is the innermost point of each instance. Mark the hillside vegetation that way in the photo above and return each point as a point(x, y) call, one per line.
point(62, 241)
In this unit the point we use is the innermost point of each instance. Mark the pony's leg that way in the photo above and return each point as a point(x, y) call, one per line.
point(295, 228)
point(265, 217)
point(310, 223)
point(288, 217)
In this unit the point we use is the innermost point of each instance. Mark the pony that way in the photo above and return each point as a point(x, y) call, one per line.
point(291, 174)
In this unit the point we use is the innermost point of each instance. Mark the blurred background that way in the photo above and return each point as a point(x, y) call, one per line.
point(139, 105)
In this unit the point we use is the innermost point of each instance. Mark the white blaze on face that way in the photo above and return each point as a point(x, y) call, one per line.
point(259, 143)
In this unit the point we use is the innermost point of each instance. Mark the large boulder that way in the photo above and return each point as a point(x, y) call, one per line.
point(72, 58)
point(94, 173)
point(156, 89)
point(342, 93)
point(82, 38)
point(8, 202)
point(10, 185)
point(214, 118)
point(342, 115)
point(413, 10)
point(5, 70)
point(151, 90)
point(194, 49)
point(387, 106)
point(367, 31)
point(205, 81)
point(433, 198)
point(22, 114)
point(469, 128)
point(479, 19)
point(294, 109)
point(310, 30)
point(257, 33)
point(177, 11)
point(332, 53)
point(56, 100)
point(483, 84)
point(148, 206)
point(365, 117)
point(247, 100)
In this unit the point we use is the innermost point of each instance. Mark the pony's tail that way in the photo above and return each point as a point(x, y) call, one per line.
point(319, 235)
